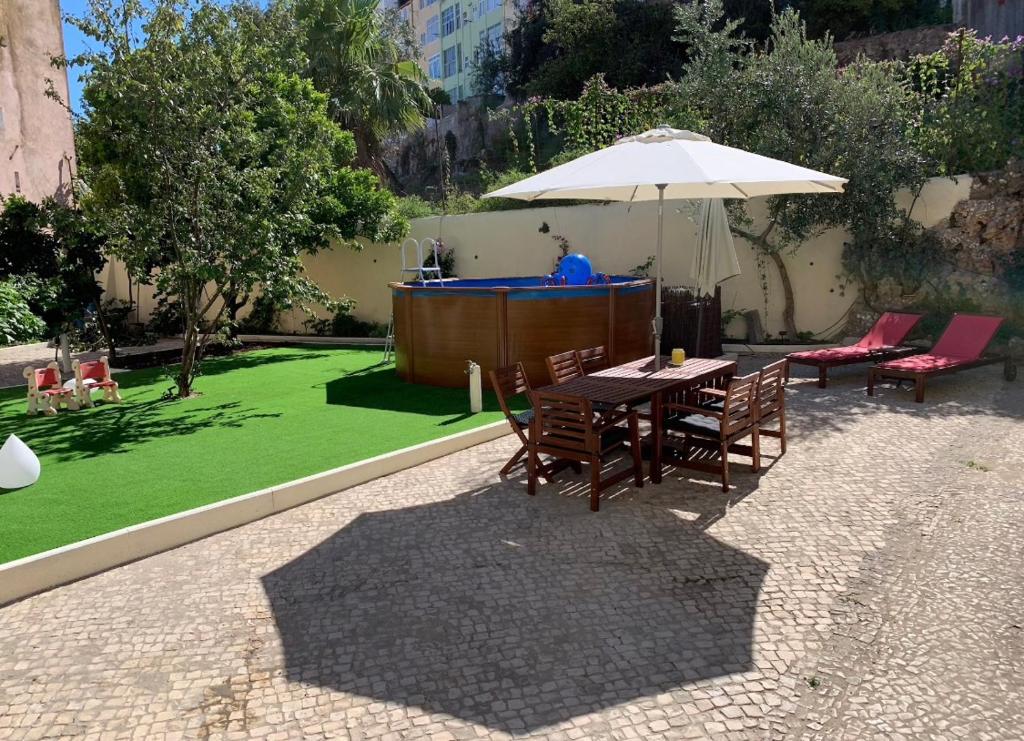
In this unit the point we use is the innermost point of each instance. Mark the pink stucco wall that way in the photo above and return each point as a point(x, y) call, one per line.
point(37, 149)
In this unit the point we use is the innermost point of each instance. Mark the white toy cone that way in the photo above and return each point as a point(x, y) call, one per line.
point(19, 466)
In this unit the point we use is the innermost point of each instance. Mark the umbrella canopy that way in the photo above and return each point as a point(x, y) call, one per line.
point(715, 259)
point(669, 163)
point(688, 165)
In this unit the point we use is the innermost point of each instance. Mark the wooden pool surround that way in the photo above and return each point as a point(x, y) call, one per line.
point(439, 328)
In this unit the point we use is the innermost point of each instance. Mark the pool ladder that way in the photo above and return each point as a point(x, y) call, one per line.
point(421, 270)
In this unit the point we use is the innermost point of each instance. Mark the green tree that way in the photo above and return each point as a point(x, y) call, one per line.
point(360, 57)
point(560, 44)
point(842, 19)
point(791, 102)
point(971, 103)
point(54, 255)
point(212, 164)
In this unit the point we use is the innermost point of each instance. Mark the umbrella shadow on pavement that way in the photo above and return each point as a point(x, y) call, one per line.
point(515, 612)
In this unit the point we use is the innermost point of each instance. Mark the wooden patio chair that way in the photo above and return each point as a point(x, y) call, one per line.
point(564, 367)
point(593, 359)
point(706, 432)
point(508, 382)
point(961, 346)
point(566, 428)
point(771, 402)
point(882, 342)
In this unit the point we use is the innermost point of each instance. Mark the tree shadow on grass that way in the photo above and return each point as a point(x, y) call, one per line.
point(218, 365)
point(516, 612)
point(120, 428)
point(380, 388)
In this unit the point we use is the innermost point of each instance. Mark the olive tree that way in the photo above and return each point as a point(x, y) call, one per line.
point(792, 102)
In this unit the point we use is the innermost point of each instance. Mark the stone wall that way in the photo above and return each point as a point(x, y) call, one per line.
point(895, 45)
point(984, 231)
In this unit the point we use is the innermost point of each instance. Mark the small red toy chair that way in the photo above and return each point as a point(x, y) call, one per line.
point(45, 391)
point(94, 374)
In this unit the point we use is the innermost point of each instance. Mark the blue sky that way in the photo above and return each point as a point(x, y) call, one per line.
point(75, 43)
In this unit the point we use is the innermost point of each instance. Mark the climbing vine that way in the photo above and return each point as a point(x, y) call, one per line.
point(601, 114)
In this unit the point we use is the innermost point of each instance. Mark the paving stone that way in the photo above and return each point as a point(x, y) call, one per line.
point(865, 585)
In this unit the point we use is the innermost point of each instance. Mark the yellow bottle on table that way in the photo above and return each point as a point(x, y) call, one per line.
point(678, 356)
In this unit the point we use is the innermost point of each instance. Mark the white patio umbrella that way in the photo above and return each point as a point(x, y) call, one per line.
point(669, 163)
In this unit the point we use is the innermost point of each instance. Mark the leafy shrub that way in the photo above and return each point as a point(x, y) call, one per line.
point(17, 322)
point(414, 207)
point(971, 103)
point(345, 325)
point(264, 318)
point(166, 319)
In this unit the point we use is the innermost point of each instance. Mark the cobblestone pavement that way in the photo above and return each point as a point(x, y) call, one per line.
point(14, 359)
point(867, 584)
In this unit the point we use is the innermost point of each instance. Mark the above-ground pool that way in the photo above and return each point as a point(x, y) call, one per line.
point(499, 321)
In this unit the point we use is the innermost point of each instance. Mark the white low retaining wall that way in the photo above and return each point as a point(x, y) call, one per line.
point(69, 563)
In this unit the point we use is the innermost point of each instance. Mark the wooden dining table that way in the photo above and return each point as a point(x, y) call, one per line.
point(637, 381)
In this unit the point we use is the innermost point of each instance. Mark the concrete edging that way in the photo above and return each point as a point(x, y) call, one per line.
point(43, 571)
point(301, 339)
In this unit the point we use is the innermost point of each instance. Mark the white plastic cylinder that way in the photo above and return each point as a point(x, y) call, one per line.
point(476, 394)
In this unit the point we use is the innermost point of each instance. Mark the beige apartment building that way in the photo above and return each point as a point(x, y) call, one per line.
point(450, 32)
point(37, 147)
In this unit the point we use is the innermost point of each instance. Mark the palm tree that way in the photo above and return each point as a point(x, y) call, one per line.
point(356, 56)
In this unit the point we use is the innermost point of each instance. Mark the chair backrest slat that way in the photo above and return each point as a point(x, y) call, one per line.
point(508, 382)
point(562, 421)
point(770, 389)
point(564, 367)
point(593, 359)
point(967, 336)
point(738, 411)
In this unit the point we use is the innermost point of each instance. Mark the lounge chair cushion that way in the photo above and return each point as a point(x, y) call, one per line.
point(697, 424)
point(923, 363)
point(836, 354)
point(523, 419)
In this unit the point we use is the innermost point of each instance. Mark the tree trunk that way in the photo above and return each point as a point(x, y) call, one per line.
point(189, 351)
point(65, 352)
point(101, 322)
point(789, 311)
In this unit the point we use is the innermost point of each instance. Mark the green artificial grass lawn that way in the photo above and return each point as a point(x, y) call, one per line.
point(263, 418)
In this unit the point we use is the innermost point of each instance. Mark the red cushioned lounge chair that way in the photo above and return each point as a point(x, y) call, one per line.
point(960, 347)
point(881, 343)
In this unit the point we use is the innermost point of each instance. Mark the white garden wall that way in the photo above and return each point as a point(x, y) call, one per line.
point(616, 237)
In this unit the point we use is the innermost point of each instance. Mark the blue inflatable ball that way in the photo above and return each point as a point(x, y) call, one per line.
point(576, 268)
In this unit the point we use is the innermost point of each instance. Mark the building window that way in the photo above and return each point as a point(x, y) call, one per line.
point(435, 67)
point(453, 94)
point(451, 61)
point(433, 31)
point(494, 37)
point(450, 19)
point(491, 5)
point(404, 13)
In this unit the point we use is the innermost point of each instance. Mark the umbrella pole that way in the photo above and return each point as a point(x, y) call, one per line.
point(657, 287)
